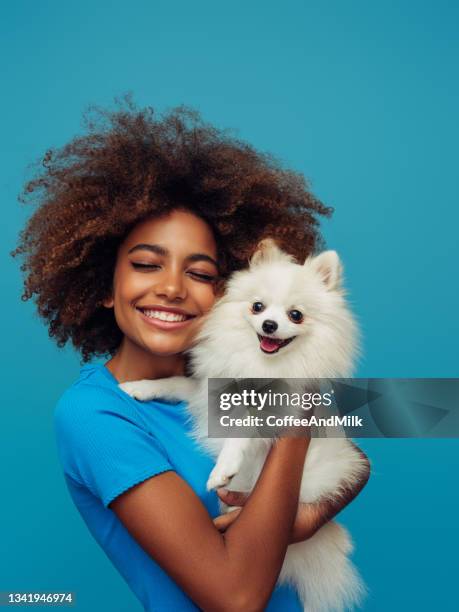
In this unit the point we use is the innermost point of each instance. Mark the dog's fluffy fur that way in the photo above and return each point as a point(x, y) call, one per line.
point(324, 345)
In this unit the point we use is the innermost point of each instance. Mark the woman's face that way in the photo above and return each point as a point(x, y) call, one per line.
point(164, 282)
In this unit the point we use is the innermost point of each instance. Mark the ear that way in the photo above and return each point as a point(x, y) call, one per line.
point(329, 268)
point(268, 251)
point(108, 302)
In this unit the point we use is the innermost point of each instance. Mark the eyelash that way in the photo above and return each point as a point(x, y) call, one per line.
point(208, 278)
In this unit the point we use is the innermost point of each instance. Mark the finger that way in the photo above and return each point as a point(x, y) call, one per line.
point(223, 521)
point(232, 498)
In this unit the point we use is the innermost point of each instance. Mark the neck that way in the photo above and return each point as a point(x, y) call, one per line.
point(132, 362)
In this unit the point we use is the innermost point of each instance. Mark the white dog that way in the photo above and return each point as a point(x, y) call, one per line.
point(279, 319)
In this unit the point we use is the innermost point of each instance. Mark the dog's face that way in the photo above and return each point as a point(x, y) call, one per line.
point(283, 301)
point(277, 311)
point(282, 319)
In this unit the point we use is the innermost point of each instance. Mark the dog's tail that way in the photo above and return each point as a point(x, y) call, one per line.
point(321, 571)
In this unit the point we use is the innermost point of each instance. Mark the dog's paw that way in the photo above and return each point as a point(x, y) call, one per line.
point(218, 480)
point(222, 475)
point(142, 390)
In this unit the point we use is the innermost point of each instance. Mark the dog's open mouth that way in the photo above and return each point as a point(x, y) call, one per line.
point(273, 345)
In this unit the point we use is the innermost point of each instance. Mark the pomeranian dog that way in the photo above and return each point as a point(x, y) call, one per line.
point(280, 319)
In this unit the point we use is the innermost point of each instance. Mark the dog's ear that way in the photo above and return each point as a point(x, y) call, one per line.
point(268, 251)
point(328, 266)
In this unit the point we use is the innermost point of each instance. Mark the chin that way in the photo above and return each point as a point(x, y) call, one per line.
point(164, 349)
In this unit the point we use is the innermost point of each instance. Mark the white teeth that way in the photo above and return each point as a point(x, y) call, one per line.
point(162, 315)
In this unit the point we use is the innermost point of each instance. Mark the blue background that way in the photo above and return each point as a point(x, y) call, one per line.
point(362, 98)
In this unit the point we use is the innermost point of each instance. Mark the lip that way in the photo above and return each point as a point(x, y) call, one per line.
point(285, 342)
point(165, 325)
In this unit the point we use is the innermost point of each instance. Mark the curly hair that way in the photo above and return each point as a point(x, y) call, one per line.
point(132, 164)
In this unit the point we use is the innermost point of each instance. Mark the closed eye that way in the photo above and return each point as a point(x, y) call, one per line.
point(144, 266)
point(207, 278)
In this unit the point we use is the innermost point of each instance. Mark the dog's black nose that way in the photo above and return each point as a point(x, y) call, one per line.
point(269, 326)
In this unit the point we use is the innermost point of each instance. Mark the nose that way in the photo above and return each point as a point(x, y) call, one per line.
point(170, 285)
point(269, 326)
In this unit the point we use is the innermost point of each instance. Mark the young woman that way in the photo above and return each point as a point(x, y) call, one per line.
point(138, 224)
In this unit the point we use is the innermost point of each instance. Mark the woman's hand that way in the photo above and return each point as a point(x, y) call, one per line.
point(309, 517)
point(304, 527)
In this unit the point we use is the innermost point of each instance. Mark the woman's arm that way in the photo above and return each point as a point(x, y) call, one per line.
point(233, 571)
point(310, 517)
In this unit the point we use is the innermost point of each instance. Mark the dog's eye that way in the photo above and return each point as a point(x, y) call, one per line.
point(257, 307)
point(295, 315)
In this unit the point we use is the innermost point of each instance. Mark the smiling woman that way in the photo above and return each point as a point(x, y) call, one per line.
point(139, 222)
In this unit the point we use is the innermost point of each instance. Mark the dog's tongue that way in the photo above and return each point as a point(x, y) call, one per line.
point(270, 344)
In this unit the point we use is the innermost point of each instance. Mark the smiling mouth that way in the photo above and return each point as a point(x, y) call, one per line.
point(165, 315)
point(273, 345)
point(166, 319)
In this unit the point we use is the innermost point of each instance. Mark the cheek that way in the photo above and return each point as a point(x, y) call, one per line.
point(129, 287)
point(206, 297)
point(255, 321)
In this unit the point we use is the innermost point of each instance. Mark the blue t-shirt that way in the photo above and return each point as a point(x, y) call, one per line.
point(108, 442)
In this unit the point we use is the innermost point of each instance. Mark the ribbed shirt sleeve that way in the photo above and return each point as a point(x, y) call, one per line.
point(103, 444)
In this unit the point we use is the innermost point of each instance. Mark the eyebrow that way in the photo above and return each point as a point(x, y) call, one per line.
point(159, 250)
